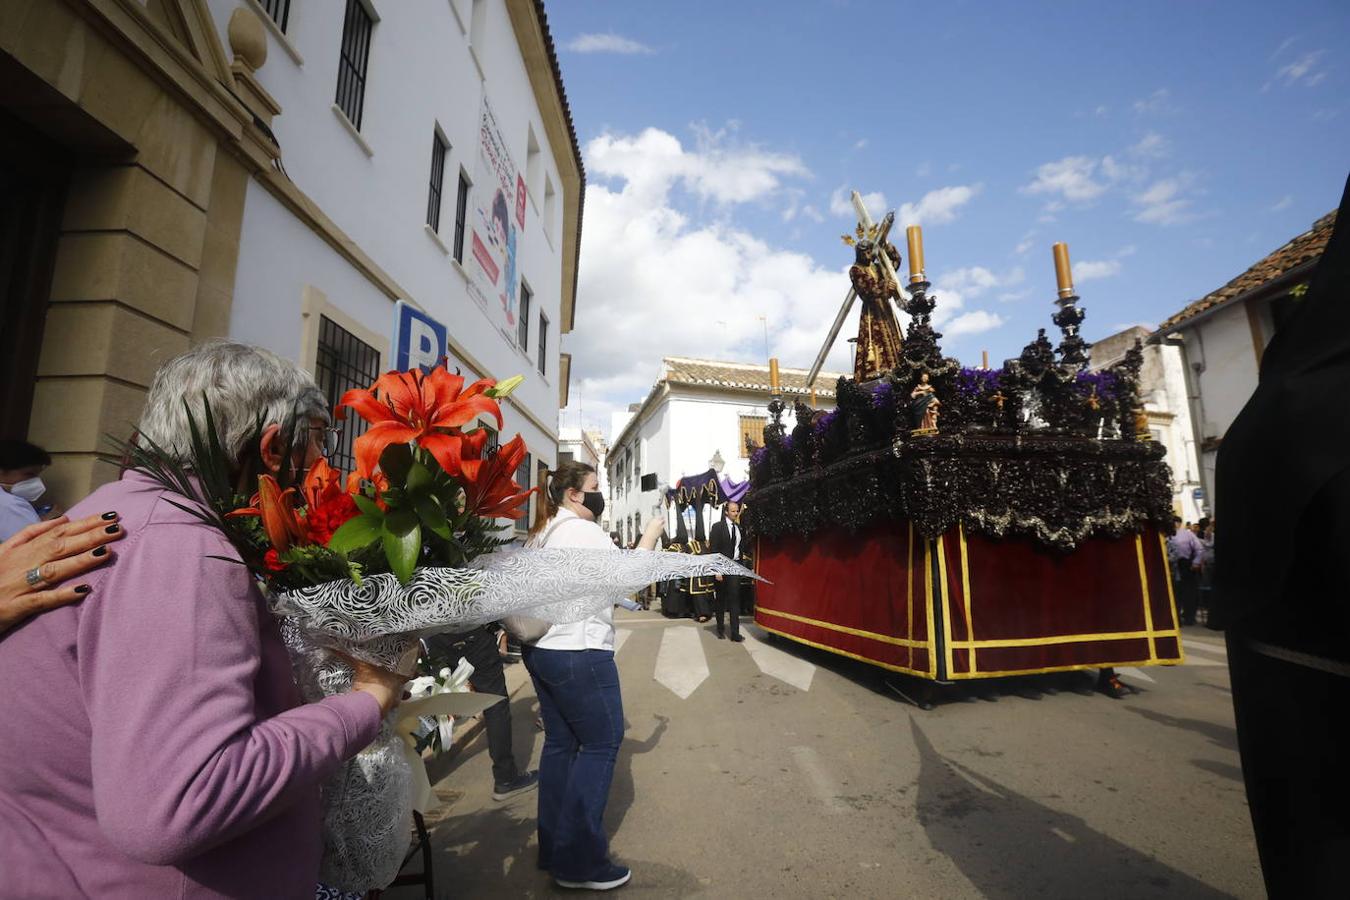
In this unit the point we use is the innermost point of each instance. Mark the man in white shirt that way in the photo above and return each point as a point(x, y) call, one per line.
point(727, 539)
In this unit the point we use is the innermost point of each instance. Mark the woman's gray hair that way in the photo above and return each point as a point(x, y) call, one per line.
point(242, 383)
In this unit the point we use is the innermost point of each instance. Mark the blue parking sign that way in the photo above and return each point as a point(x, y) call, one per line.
point(419, 340)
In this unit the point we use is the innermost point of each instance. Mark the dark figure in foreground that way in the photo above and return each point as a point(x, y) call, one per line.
point(1284, 587)
point(727, 539)
point(481, 648)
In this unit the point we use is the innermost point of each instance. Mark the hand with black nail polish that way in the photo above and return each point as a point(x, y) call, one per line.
point(40, 565)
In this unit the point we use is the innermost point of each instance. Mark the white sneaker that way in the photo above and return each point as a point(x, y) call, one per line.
point(607, 880)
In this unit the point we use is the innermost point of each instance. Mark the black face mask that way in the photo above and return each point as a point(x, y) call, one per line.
point(595, 502)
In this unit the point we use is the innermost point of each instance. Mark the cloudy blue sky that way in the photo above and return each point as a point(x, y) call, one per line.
point(1171, 144)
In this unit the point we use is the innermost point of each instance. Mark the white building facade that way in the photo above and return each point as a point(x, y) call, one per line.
point(401, 123)
point(1162, 388)
point(1222, 336)
point(696, 417)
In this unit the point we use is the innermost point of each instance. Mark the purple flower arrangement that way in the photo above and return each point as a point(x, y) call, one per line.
point(823, 423)
point(972, 384)
point(1107, 384)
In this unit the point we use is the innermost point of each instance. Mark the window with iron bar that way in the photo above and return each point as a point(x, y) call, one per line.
point(461, 212)
point(523, 479)
point(543, 344)
point(438, 148)
point(523, 325)
point(279, 10)
point(344, 362)
point(351, 86)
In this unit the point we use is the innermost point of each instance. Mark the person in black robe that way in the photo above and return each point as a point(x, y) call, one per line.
point(1283, 493)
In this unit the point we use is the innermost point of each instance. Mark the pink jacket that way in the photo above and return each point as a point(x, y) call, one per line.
point(152, 740)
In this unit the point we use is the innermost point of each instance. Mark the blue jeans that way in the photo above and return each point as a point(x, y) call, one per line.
point(582, 709)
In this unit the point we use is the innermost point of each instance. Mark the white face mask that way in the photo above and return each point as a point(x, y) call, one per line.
point(29, 489)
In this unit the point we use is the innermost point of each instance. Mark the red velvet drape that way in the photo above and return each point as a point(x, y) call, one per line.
point(966, 606)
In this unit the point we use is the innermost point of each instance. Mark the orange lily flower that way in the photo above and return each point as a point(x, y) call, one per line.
point(490, 488)
point(276, 507)
point(421, 408)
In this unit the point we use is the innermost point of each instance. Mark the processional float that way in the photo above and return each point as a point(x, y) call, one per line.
point(958, 523)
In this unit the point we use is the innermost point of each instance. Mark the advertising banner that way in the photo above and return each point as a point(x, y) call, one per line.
point(497, 221)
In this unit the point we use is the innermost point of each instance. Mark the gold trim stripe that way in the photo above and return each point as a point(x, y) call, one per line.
point(932, 612)
point(1171, 597)
point(1071, 668)
point(836, 650)
point(946, 603)
point(1065, 639)
point(830, 626)
point(1148, 605)
point(965, 595)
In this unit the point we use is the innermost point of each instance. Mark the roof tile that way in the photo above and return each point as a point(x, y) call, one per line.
point(1306, 247)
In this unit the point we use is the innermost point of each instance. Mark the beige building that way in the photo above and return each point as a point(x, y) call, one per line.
point(140, 149)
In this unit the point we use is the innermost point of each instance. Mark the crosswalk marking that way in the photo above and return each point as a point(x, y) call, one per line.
point(620, 635)
point(777, 664)
point(680, 663)
point(1132, 672)
point(1204, 646)
point(1202, 653)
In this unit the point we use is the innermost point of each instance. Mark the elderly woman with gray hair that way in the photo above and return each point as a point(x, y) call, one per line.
point(154, 742)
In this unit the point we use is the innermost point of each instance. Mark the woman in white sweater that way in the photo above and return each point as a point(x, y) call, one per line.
point(579, 699)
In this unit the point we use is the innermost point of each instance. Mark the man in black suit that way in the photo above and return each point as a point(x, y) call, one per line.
point(727, 539)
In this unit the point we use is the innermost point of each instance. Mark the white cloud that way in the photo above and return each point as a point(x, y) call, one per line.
point(1284, 203)
point(1284, 45)
point(1070, 178)
point(973, 322)
point(1303, 70)
point(656, 281)
point(1026, 243)
point(939, 206)
point(718, 169)
point(1101, 110)
point(1163, 203)
point(924, 170)
point(1092, 269)
point(1160, 101)
point(607, 43)
point(973, 281)
point(1152, 145)
point(842, 207)
point(860, 144)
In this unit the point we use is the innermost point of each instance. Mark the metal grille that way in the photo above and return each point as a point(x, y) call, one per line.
point(279, 10)
point(752, 429)
point(461, 210)
point(438, 149)
point(343, 362)
point(543, 344)
point(523, 326)
point(351, 86)
point(523, 479)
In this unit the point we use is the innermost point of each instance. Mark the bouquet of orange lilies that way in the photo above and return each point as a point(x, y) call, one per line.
point(425, 492)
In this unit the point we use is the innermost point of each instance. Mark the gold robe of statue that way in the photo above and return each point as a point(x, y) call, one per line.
point(880, 345)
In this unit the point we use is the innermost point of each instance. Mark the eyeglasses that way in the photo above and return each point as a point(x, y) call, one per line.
point(328, 437)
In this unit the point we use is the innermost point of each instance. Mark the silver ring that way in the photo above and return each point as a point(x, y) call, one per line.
point(34, 577)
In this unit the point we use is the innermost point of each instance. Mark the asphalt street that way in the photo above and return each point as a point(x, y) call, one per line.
point(768, 769)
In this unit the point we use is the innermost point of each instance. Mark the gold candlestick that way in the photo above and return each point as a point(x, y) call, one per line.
point(984, 359)
point(773, 374)
point(914, 236)
point(813, 398)
point(1063, 273)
